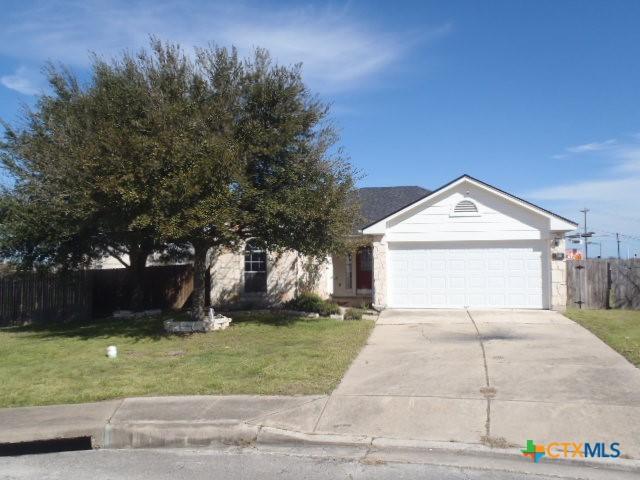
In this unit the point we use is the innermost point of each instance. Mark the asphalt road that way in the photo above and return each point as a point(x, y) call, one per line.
point(247, 463)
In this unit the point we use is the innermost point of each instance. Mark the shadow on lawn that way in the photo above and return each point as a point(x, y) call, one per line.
point(140, 328)
point(136, 328)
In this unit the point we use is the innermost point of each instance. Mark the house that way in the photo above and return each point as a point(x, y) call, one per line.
point(466, 244)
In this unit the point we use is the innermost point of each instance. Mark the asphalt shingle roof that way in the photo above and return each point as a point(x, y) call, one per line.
point(377, 203)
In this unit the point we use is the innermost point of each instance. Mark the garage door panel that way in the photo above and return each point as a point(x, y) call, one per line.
point(477, 299)
point(455, 299)
point(438, 299)
point(437, 265)
point(516, 264)
point(476, 283)
point(495, 264)
point(476, 265)
point(420, 283)
point(456, 265)
point(534, 283)
point(495, 276)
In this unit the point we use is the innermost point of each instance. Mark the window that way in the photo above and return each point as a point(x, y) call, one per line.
point(366, 259)
point(465, 207)
point(255, 268)
point(349, 273)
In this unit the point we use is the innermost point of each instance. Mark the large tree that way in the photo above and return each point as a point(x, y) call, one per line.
point(162, 150)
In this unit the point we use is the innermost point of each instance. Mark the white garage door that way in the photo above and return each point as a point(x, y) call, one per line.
point(454, 276)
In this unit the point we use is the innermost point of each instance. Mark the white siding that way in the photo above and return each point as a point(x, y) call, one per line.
point(496, 220)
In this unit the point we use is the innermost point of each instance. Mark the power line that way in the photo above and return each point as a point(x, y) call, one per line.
point(631, 237)
point(613, 234)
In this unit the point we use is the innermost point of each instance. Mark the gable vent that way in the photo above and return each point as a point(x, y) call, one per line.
point(465, 206)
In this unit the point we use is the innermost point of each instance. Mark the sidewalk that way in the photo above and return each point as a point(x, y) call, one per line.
point(163, 421)
point(270, 423)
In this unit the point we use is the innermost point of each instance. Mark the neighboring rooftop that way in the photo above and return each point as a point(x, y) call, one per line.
point(377, 203)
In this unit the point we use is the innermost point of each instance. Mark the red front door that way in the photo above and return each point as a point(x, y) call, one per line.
point(364, 267)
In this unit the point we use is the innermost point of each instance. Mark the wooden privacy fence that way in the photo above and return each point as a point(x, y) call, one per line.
point(46, 298)
point(625, 283)
point(165, 287)
point(51, 298)
point(603, 283)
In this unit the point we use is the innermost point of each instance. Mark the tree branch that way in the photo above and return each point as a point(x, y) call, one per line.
point(114, 254)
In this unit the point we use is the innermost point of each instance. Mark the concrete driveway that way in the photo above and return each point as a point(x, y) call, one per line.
point(498, 377)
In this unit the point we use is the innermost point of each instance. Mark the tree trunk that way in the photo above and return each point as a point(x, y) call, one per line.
point(199, 276)
point(137, 264)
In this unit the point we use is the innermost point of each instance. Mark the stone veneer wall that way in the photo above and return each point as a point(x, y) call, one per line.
point(226, 277)
point(285, 272)
point(379, 272)
point(558, 277)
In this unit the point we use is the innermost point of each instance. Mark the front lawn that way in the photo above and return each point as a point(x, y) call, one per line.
point(620, 329)
point(258, 354)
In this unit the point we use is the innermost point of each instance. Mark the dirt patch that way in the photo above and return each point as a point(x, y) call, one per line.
point(496, 442)
point(175, 353)
point(488, 392)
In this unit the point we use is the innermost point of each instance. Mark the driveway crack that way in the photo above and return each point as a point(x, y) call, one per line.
point(484, 353)
point(487, 391)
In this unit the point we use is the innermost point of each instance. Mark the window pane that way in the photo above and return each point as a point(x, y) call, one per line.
point(255, 269)
point(255, 282)
point(366, 259)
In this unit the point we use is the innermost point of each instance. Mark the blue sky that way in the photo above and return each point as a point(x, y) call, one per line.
point(540, 98)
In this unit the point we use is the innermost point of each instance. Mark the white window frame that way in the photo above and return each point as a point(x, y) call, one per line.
point(349, 271)
point(251, 249)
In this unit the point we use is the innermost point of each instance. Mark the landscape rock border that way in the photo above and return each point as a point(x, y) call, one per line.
point(219, 322)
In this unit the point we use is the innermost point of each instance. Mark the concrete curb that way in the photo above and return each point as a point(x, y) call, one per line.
point(285, 437)
point(177, 434)
point(233, 433)
point(277, 436)
point(478, 450)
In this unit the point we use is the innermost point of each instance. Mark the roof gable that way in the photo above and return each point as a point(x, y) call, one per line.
point(557, 222)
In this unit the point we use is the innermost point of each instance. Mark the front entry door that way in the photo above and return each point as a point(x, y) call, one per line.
point(364, 267)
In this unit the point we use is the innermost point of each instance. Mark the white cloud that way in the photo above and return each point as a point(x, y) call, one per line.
point(339, 51)
point(586, 148)
point(592, 147)
point(612, 196)
point(20, 81)
point(605, 190)
point(629, 156)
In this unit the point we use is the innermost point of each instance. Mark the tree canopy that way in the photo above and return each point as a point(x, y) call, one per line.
point(161, 151)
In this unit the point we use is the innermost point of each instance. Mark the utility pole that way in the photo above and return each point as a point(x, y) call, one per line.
point(618, 242)
point(586, 234)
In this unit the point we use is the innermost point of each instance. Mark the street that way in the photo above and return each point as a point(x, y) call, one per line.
point(281, 464)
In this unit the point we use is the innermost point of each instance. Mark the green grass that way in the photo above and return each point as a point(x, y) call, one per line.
point(620, 329)
point(258, 354)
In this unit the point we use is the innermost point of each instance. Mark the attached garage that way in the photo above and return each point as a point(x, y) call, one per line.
point(469, 244)
point(467, 274)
